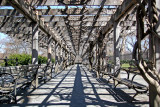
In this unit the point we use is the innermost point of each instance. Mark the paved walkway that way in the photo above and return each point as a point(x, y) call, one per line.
point(76, 87)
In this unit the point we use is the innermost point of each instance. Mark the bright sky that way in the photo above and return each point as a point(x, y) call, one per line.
point(59, 7)
point(2, 35)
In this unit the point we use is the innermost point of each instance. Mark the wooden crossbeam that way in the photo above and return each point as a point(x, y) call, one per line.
point(31, 15)
point(55, 3)
point(121, 11)
point(87, 11)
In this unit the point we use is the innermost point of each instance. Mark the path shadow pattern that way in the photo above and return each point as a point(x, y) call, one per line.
point(76, 87)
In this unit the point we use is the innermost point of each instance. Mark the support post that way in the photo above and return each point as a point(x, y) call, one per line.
point(49, 53)
point(56, 57)
point(35, 43)
point(35, 52)
point(98, 63)
point(69, 58)
point(55, 46)
point(49, 58)
point(61, 58)
point(117, 30)
point(66, 59)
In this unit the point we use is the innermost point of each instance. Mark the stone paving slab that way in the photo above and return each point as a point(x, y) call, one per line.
point(76, 87)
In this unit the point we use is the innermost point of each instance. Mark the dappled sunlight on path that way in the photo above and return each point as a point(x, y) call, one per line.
point(76, 87)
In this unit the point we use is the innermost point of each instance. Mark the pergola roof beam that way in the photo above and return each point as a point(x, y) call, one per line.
point(28, 13)
point(121, 11)
point(55, 3)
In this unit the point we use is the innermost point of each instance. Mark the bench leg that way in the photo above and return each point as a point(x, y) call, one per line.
point(15, 99)
point(134, 96)
point(109, 79)
point(116, 83)
point(12, 98)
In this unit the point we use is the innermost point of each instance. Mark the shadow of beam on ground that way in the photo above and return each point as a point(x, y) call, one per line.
point(98, 100)
point(24, 92)
point(122, 98)
point(44, 102)
point(26, 99)
point(77, 88)
point(78, 96)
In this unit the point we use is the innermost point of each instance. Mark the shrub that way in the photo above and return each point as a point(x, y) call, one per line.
point(25, 59)
point(42, 59)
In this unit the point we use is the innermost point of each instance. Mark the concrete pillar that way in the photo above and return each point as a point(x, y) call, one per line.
point(106, 56)
point(96, 53)
point(61, 58)
point(69, 58)
point(35, 43)
point(35, 52)
point(55, 52)
point(49, 55)
point(66, 57)
point(61, 50)
point(117, 30)
point(98, 62)
point(94, 63)
point(62, 53)
point(58, 54)
point(56, 57)
point(49, 50)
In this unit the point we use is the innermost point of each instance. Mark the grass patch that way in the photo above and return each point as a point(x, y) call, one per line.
point(125, 65)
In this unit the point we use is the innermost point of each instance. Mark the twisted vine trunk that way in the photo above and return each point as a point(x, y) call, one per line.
point(151, 73)
point(154, 94)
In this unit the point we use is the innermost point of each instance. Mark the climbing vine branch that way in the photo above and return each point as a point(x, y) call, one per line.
point(149, 72)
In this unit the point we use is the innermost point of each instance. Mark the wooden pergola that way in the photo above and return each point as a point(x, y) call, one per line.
point(83, 29)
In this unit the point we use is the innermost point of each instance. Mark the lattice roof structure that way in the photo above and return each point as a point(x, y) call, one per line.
point(72, 23)
point(81, 29)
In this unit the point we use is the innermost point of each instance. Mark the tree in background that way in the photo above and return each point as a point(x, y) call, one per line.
point(13, 45)
point(131, 40)
point(9, 45)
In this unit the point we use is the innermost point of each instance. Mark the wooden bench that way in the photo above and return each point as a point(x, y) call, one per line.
point(7, 86)
point(106, 70)
point(12, 79)
point(45, 72)
point(127, 77)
